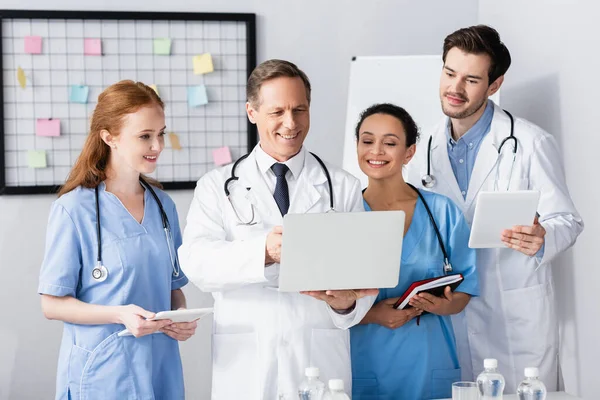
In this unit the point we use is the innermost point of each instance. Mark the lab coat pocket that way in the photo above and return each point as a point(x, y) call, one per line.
point(330, 352)
point(108, 373)
point(365, 389)
point(441, 382)
point(235, 366)
point(531, 320)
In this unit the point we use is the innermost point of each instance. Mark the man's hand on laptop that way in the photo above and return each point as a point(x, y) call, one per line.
point(341, 300)
point(273, 245)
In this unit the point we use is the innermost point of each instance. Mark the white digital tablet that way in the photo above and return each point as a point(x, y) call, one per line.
point(187, 315)
point(496, 211)
point(334, 251)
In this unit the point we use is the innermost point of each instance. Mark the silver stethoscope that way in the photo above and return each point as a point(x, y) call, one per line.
point(100, 273)
point(428, 180)
point(233, 178)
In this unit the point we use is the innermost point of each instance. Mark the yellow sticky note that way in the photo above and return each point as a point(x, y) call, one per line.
point(21, 77)
point(155, 89)
point(203, 64)
point(36, 159)
point(175, 145)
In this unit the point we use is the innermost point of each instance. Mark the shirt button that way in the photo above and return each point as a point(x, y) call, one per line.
point(470, 144)
point(461, 161)
point(463, 193)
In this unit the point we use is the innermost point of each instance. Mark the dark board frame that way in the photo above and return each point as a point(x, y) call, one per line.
point(248, 19)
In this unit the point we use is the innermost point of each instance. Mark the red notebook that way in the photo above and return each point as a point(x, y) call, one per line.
point(434, 286)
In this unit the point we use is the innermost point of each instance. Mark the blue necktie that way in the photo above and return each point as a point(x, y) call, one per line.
point(281, 194)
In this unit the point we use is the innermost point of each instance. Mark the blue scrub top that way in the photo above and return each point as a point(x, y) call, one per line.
point(416, 361)
point(93, 361)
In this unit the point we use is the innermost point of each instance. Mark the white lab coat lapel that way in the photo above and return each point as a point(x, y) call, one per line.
point(440, 165)
point(304, 197)
point(486, 162)
point(306, 194)
point(260, 195)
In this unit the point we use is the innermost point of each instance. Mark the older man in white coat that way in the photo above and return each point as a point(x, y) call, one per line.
point(264, 339)
point(514, 319)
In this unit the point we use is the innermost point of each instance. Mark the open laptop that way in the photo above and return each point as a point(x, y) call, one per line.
point(330, 251)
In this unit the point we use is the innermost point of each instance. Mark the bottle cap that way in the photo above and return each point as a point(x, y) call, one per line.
point(312, 372)
point(532, 372)
point(336, 384)
point(490, 363)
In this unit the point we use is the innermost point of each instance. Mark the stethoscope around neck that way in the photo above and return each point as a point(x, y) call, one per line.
point(234, 178)
point(100, 273)
point(429, 181)
point(447, 268)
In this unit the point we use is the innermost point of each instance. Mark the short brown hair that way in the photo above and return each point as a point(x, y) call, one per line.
point(481, 39)
point(272, 69)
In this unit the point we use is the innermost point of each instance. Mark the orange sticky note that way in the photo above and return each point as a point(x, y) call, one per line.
point(222, 156)
point(92, 47)
point(33, 44)
point(47, 127)
point(175, 145)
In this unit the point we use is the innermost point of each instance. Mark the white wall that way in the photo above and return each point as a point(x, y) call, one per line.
point(321, 37)
point(553, 82)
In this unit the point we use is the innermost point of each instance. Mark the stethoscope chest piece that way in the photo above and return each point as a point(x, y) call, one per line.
point(447, 267)
point(100, 273)
point(428, 181)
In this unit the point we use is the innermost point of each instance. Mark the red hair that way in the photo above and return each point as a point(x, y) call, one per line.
point(114, 103)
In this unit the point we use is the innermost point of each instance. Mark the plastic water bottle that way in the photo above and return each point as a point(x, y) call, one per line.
point(490, 382)
point(336, 391)
point(311, 387)
point(532, 388)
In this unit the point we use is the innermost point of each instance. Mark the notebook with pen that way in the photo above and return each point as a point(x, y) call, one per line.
point(434, 286)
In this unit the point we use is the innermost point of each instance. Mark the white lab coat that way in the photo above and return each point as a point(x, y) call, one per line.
point(514, 320)
point(263, 339)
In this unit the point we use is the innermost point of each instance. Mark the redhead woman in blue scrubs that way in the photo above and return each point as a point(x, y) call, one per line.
point(408, 354)
point(140, 277)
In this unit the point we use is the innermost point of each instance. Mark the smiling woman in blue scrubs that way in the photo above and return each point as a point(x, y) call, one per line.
point(408, 354)
point(140, 277)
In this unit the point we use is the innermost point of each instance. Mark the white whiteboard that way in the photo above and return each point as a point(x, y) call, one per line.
point(411, 82)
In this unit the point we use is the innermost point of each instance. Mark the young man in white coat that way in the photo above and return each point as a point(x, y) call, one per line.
point(264, 339)
point(514, 320)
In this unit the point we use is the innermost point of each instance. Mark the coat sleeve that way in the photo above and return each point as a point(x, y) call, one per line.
point(557, 212)
point(209, 260)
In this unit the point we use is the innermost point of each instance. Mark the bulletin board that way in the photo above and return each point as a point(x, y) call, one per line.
point(56, 63)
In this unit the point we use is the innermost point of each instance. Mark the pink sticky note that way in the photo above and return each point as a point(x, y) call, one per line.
point(222, 156)
point(47, 127)
point(92, 47)
point(33, 44)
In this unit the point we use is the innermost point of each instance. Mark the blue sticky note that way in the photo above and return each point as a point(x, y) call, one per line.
point(197, 96)
point(79, 94)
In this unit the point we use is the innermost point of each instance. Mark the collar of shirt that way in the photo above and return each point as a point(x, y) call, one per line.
point(477, 132)
point(265, 161)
